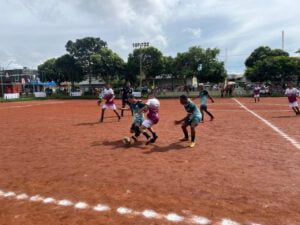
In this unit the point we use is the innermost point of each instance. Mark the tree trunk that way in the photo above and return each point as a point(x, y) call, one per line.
point(173, 86)
point(90, 81)
point(72, 86)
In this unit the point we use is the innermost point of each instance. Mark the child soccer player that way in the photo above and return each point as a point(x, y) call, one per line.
point(138, 117)
point(256, 93)
point(204, 95)
point(292, 93)
point(152, 106)
point(126, 91)
point(108, 95)
point(192, 119)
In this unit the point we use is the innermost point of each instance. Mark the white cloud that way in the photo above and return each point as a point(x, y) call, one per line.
point(122, 43)
point(160, 41)
point(35, 30)
point(195, 32)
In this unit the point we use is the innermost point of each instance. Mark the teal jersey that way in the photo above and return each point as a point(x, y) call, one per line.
point(191, 108)
point(136, 107)
point(203, 97)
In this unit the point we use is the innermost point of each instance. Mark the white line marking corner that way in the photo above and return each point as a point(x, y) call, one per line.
point(280, 132)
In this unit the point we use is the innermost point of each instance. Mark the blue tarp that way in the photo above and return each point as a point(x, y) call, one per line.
point(50, 83)
point(39, 83)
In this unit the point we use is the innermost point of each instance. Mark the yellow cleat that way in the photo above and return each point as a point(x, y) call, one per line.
point(193, 144)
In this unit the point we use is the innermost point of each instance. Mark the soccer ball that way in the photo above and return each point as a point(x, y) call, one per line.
point(126, 140)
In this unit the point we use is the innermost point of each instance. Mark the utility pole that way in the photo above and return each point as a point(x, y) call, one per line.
point(3, 69)
point(2, 91)
point(140, 46)
point(226, 58)
point(282, 40)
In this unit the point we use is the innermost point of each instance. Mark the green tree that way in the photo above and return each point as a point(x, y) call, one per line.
point(69, 69)
point(151, 60)
point(184, 68)
point(82, 50)
point(278, 70)
point(49, 72)
point(202, 63)
point(130, 71)
point(168, 65)
point(108, 65)
point(271, 65)
point(262, 53)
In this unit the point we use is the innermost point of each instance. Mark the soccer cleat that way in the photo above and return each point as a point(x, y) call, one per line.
point(153, 139)
point(149, 140)
point(184, 139)
point(133, 140)
point(193, 144)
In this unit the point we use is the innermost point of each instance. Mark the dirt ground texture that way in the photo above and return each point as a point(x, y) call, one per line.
point(240, 168)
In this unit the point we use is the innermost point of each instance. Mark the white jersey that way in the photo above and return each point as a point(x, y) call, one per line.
point(153, 105)
point(291, 91)
point(257, 90)
point(292, 94)
point(106, 93)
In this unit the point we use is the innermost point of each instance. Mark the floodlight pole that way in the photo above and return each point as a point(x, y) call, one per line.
point(2, 92)
point(282, 40)
point(141, 45)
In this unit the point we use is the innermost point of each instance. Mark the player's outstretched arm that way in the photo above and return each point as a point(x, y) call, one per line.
point(180, 121)
point(211, 99)
point(143, 109)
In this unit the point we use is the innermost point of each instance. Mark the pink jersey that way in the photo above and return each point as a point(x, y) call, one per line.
point(256, 90)
point(153, 114)
point(292, 94)
point(108, 95)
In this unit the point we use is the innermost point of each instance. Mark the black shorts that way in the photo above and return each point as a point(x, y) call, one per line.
point(203, 107)
point(135, 127)
point(125, 102)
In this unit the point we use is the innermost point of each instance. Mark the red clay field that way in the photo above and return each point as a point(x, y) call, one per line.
point(59, 166)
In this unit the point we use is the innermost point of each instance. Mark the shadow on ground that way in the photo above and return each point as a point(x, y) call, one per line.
point(151, 148)
point(171, 147)
point(97, 123)
point(87, 124)
point(118, 144)
point(281, 117)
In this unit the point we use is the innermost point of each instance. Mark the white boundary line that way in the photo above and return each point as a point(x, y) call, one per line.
point(280, 132)
point(241, 110)
point(31, 105)
point(148, 213)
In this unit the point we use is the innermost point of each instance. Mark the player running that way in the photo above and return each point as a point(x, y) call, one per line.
point(152, 107)
point(192, 119)
point(292, 93)
point(108, 96)
point(138, 117)
point(126, 91)
point(256, 93)
point(204, 95)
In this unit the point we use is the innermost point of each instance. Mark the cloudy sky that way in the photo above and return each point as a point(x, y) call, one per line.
point(35, 30)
